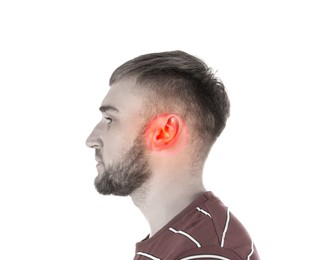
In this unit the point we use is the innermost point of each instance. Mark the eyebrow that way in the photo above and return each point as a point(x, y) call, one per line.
point(108, 108)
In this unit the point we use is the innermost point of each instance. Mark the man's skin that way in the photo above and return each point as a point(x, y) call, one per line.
point(176, 177)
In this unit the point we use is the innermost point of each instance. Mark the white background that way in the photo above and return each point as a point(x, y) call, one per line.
point(271, 166)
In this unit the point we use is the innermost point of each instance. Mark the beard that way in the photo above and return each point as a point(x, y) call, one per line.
point(125, 176)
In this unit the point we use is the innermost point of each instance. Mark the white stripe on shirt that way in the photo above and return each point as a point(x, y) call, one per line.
point(204, 212)
point(252, 250)
point(205, 256)
point(148, 256)
point(186, 235)
point(226, 227)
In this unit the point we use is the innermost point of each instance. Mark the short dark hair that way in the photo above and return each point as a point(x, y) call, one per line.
point(179, 80)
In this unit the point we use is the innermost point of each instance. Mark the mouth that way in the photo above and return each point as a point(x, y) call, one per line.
point(100, 168)
point(99, 163)
point(98, 159)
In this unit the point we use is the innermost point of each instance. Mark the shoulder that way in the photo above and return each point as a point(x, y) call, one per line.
point(216, 232)
point(233, 240)
point(205, 230)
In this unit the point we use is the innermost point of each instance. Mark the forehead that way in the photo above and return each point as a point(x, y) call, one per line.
point(125, 97)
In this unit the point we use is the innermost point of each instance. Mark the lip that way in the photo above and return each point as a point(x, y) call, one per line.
point(98, 159)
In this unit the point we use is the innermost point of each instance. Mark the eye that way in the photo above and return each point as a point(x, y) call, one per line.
point(109, 119)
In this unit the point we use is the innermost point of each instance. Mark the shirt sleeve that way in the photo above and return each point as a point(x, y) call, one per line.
point(209, 253)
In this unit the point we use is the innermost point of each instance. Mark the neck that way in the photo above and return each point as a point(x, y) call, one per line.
point(161, 200)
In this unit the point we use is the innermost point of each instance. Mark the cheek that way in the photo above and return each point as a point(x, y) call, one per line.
point(115, 148)
point(119, 139)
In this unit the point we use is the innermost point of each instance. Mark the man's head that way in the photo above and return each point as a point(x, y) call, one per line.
point(157, 103)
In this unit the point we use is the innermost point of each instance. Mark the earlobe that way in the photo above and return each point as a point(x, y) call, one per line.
point(163, 131)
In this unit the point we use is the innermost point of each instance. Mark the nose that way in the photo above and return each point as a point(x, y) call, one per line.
point(94, 139)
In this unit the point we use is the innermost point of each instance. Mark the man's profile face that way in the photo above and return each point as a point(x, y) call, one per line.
point(119, 142)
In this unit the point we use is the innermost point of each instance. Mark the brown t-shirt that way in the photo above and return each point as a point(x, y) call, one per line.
point(205, 229)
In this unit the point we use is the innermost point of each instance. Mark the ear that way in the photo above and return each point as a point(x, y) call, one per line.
point(163, 131)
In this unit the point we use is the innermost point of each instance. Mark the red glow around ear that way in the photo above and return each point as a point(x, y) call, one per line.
point(165, 131)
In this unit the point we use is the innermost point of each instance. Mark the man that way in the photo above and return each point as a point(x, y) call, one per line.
point(161, 116)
